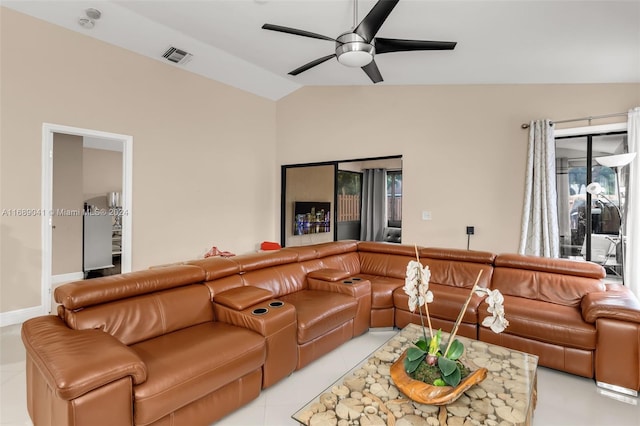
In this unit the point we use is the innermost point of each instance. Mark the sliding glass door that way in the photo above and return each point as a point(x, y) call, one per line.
point(589, 225)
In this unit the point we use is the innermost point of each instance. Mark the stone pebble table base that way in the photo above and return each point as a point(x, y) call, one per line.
point(367, 396)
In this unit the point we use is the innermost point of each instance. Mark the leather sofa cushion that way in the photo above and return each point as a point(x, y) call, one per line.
point(145, 317)
point(116, 287)
point(266, 259)
point(327, 274)
point(459, 274)
point(303, 252)
point(553, 265)
point(335, 248)
point(384, 264)
point(473, 256)
point(382, 290)
point(188, 364)
point(551, 287)
point(447, 303)
point(240, 298)
point(349, 262)
point(319, 312)
point(545, 322)
point(224, 284)
point(216, 267)
point(388, 248)
point(279, 280)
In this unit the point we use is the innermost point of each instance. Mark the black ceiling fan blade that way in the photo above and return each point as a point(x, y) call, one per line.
point(371, 69)
point(295, 31)
point(312, 64)
point(369, 26)
point(386, 45)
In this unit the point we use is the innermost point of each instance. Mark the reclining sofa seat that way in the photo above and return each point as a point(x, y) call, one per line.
point(327, 313)
point(141, 348)
point(453, 274)
point(542, 301)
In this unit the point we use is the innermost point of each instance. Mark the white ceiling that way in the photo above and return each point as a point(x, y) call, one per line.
point(499, 42)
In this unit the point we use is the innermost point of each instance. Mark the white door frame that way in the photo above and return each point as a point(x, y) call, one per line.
point(121, 141)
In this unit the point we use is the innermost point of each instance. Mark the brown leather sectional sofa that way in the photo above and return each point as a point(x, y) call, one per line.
point(187, 344)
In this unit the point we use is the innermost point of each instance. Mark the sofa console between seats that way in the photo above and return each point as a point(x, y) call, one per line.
point(191, 342)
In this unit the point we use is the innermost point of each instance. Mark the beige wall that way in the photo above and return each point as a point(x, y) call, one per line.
point(463, 151)
point(205, 157)
point(67, 202)
point(101, 172)
point(203, 152)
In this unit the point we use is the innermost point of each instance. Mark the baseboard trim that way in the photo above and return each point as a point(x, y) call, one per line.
point(20, 315)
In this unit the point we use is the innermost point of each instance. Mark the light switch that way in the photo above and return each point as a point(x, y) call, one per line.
point(426, 215)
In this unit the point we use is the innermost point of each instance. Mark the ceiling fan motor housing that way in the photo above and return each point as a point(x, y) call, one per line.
point(353, 50)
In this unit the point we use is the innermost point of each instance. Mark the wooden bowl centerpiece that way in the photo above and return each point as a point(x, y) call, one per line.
point(425, 393)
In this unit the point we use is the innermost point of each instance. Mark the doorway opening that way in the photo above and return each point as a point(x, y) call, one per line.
point(72, 221)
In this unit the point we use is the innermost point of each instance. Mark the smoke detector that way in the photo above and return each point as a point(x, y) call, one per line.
point(177, 56)
point(92, 15)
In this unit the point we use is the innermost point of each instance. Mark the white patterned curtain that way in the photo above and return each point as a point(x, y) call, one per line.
point(539, 235)
point(632, 253)
point(374, 198)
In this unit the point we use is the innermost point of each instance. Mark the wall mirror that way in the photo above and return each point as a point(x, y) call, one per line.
point(323, 202)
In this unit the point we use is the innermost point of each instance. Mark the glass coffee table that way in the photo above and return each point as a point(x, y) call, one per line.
point(366, 395)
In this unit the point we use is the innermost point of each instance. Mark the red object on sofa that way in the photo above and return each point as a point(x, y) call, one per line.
point(268, 245)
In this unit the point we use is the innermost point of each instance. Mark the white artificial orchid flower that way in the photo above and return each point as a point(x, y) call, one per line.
point(416, 285)
point(497, 322)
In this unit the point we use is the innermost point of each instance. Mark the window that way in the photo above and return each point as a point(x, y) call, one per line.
point(589, 225)
point(394, 198)
point(349, 196)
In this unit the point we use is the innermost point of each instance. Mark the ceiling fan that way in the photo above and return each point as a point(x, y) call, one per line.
point(358, 47)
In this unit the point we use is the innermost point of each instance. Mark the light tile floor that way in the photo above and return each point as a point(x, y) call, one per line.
point(563, 399)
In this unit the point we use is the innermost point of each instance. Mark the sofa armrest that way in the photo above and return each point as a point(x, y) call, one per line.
point(74, 362)
point(349, 287)
point(328, 274)
point(618, 303)
point(240, 298)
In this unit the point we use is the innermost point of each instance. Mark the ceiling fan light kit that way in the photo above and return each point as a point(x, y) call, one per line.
point(353, 51)
point(358, 48)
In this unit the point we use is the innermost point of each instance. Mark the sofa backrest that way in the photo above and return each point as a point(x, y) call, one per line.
point(82, 294)
point(340, 255)
point(144, 317)
point(137, 306)
point(216, 267)
point(280, 272)
point(458, 268)
point(279, 280)
point(385, 259)
point(559, 281)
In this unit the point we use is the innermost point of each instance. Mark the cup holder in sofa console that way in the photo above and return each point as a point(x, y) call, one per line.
point(347, 282)
point(356, 279)
point(276, 304)
point(259, 311)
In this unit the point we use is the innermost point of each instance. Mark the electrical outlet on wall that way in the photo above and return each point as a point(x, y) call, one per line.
point(426, 215)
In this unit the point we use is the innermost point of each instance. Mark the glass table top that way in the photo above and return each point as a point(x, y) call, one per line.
point(366, 395)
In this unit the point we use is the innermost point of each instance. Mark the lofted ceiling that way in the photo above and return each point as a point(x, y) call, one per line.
point(499, 42)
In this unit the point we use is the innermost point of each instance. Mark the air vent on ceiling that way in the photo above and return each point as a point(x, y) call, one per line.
point(177, 56)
